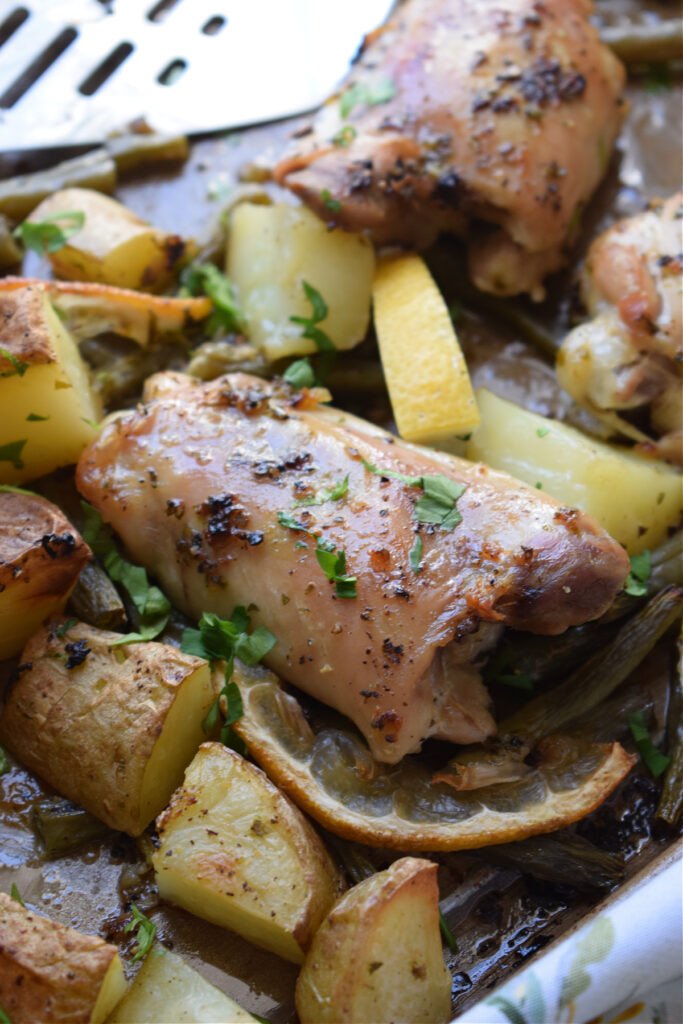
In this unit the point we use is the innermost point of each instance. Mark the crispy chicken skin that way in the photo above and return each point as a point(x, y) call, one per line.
point(630, 355)
point(193, 481)
point(504, 111)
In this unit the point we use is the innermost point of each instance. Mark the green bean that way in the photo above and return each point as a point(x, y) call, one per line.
point(62, 825)
point(645, 43)
point(95, 599)
point(135, 151)
point(563, 857)
point(544, 658)
point(357, 864)
point(18, 196)
point(10, 253)
point(671, 801)
point(600, 676)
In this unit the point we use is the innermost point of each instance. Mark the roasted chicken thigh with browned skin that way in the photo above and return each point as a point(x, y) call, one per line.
point(500, 112)
point(228, 490)
point(629, 357)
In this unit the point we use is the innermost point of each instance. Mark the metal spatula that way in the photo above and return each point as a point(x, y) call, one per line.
point(72, 71)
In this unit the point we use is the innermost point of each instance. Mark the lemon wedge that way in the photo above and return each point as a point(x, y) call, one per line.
point(425, 370)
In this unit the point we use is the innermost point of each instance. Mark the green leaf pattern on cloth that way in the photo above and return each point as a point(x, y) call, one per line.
point(591, 950)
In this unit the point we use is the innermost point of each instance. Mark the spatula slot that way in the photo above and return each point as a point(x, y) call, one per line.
point(172, 72)
point(161, 9)
point(105, 69)
point(30, 75)
point(14, 20)
point(213, 26)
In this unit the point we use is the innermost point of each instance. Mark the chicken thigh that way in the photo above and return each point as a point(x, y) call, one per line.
point(496, 111)
point(630, 355)
point(228, 491)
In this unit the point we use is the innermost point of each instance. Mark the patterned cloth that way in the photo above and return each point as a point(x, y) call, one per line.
point(627, 955)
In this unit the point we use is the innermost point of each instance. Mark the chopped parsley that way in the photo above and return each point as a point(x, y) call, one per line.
point(658, 77)
point(369, 95)
point(335, 493)
point(333, 564)
point(4, 762)
point(45, 236)
point(416, 554)
point(16, 895)
point(438, 504)
point(145, 933)
point(330, 202)
point(331, 561)
point(299, 374)
point(636, 584)
point(538, 485)
point(448, 935)
point(207, 279)
point(455, 312)
point(655, 760)
point(19, 368)
point(345, 136)
point(223, 640)
point(542, 431)
point(65, 627)
point(33, 417)
point(152, 607)
point(310, 323)
point(11, 452)
point(519, 680)
point(4, 1019)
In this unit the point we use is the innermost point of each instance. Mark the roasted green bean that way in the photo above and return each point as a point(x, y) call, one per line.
point(20, 195)
point(95, 599)
point(134, 152)
point(563, 857)
point(646, 43)
point(671, 801)
point(62, 825)
point(601, 675)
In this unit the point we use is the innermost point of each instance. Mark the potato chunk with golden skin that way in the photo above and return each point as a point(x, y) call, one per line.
point(51, 973)
point(234, 850)
point(114, 246)
point(111, 728)
point(168, 989)
point(41, 556)
point(377, 956)
point(48, 406)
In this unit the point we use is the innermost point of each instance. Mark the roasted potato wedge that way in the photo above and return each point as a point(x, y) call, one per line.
point(111, 728)
point(41, 556)
point(272, 250)
point(114, 245)
point(48, 406)
point(168, 989)
point(377, 956)
point(234, 850)
point(51, 973)
point(636, 499)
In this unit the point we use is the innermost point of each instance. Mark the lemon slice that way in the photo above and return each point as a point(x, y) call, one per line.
point(425, 370)
point(331, 775)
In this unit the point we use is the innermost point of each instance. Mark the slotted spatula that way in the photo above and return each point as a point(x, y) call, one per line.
point(73, 71)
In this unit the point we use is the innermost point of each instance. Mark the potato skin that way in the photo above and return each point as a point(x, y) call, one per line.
point(234, 850)
point(378, 955)
point(49, 972)
point(90, 727)
point(41, 556)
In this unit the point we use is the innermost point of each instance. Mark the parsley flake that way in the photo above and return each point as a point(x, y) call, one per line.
point(416, 554)
point(223, 640)
point(345, 136)
point(333, 564)
point(519, 680)
point(4, 762)
point(655, 760)
point(449, 938)
point(153, 608)
point(636, 584)
point(145, 933)
point(330, 202)
point(12, 453)
point(33, 417)
point(18, 367)
point(309, 323)
point(4, 1019)
point(65, 627)
point(207, 279)
point(369, 95)
point(437, 506)
point(335, 493)
point(542, 431)
point(299, 374)
point(16, 895)
point(46, 236)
